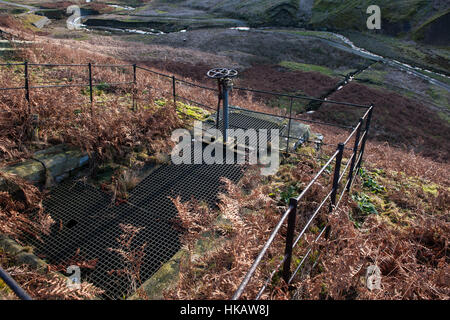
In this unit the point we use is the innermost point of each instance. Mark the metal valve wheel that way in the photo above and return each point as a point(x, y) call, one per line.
point(220, 73)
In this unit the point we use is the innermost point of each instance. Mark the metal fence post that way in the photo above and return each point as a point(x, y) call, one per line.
point(27, 86)
point(289, 125)
point(289, 239)
point(174, 91)
point(337, 172)
point(91, 89)
point(134, 106)
point(355, 154)
point(366, 132)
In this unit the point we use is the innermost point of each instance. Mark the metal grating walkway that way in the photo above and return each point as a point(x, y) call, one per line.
point(244, 121)
point(87, 221)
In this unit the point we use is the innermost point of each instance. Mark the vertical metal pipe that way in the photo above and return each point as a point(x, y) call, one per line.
point(337, 172)
point(355, 154)
point(363, 143)
point(289, 239)
point(27, 86)
point(289, 125)
point(220, 96)
point(225, 109)
point(134, 106)
point(174, 91)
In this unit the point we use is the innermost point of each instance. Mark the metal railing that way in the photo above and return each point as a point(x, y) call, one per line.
point(353, 163)
point(13, 285)
point(352, 166)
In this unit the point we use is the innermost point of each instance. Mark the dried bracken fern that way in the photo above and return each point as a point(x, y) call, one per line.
point(413, 261)
point(51, 286)
point(98, 129)
point(131, 257)
point(21, 211)
point(217, 274)
point(193, 219)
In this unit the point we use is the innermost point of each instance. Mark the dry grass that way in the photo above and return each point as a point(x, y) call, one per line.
point(100, 131)
point(413, 260)
point(50, 286)
point(21, 211)
point(216, 275)
point(131, 258)
point(247, 214)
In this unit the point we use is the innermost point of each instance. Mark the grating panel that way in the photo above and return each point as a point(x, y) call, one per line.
point(238, 120)
point(87, 221)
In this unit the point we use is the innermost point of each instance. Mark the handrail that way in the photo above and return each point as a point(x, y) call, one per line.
point(338, 176)
point(16, 88)
point(298, 119)
point(302, 97)
point(11, 64)
point(56, 65)
point(353, 132)
point(261, 254)
point(197, 85)
point(353, 162)
point(155, 72)
point(13, 285)
point(90, 65)
point(318, 175)
point(257, 261)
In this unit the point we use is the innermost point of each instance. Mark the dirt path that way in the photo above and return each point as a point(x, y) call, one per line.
point(19, 5)
point(369, 55)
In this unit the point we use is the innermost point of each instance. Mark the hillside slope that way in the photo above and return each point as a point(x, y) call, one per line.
point(414, 17)
point(398, 17)
point(255, 12)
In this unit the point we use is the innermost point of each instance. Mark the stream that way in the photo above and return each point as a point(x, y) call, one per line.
point(348, 45)
point(408, 68)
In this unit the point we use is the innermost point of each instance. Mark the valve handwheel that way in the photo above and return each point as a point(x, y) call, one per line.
point(220, 73)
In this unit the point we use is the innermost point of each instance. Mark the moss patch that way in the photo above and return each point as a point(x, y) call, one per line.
point(186, 111)
point(296, 66)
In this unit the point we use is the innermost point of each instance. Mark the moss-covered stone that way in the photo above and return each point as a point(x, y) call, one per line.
point(168, 275)
point(49, 165)
point(21, 255)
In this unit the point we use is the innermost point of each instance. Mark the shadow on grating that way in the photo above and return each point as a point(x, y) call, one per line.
point(242, 121)
point(86, 221)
